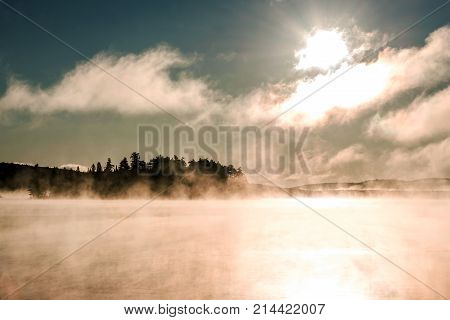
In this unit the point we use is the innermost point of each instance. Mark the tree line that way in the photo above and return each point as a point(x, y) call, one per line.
point(168, 176)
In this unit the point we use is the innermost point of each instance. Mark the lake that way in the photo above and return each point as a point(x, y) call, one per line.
point(225, 249)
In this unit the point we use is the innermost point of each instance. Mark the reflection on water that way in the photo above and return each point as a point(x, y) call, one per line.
point(265, 249)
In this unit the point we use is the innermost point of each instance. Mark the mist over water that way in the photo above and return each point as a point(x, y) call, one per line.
point(225, 249)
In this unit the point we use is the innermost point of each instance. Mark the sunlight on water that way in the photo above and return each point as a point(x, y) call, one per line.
point(326, 288)
point(218, 249)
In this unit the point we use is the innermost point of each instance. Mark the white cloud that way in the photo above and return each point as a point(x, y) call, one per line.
point(357, 163)
point(88, 88)
point(419, 67)
point(425, 118)
point(349, 156)
point(363, 84)
point(422, 162)
point(371, 83)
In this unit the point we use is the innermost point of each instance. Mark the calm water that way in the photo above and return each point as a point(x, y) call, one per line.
point(255, 249)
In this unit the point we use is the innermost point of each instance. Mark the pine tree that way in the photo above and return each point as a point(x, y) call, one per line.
point(123, 165)
point(135, 157)
point(109, 167)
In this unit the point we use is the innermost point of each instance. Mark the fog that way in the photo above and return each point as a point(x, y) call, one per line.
point(225, 249)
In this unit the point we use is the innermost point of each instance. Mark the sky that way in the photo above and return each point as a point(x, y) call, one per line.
point(234, 62)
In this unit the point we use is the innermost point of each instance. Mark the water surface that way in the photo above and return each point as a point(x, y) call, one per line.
point(218, 249)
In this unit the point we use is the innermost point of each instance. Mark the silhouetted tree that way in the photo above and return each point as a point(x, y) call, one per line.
point(142, 166)
point(165, 174)
point(135, 158)
point(109, 167)
point(123, 165)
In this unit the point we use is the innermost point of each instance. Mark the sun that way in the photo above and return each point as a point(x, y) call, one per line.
point(324, 49)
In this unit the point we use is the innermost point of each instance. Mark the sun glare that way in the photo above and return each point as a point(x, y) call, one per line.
point(323, 49)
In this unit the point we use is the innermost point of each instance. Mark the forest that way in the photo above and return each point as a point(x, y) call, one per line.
point(165, 176)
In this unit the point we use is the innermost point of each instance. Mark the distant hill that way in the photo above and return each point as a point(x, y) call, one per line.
point(434, 187)
point(430, 184)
